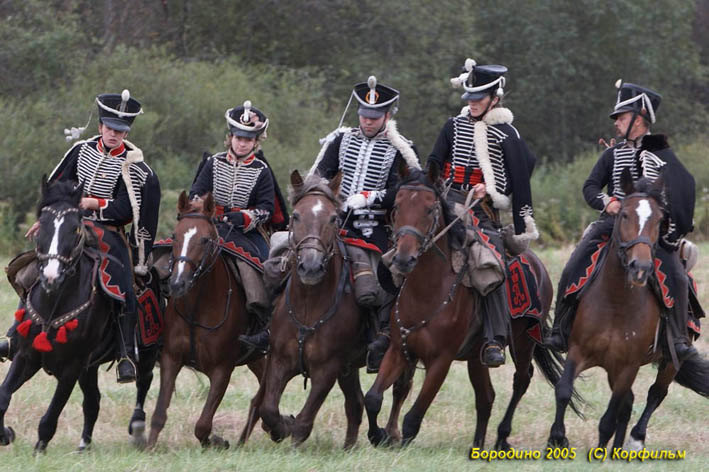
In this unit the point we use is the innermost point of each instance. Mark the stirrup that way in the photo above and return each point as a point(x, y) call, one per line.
point(491, 349)
point(126, 379)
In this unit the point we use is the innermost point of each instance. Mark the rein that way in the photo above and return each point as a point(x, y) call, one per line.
point(426, 241)
point(623, 246)
point(74, 255)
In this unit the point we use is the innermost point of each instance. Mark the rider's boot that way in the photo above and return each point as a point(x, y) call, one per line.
point(126, 368)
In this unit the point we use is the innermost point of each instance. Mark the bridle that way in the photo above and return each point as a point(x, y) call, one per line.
point(78, 248)
point(314, 241)
point(623, 246)
point(208, 256)
point(425, 240)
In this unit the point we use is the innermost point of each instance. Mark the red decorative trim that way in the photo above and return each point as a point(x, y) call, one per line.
point(661, 278)
point(694, 282)
point(694, 327)
point(151, 320)
point(575, 287)
point(163, 242)
point(117, 151)
point(278, 216)
point(535, 332)
point(247, 219)
point(219, 210)
point(485, 238)
point(61, 336)
point(358, 242)
point(20, 314)
point(24, 328)
point(72, 325)
point(112, 289)
point(239, 250)
point(518, 298)
point(41, 343)
point(476, 176)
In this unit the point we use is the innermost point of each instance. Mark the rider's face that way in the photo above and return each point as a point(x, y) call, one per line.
point(371, 126)
point(242, 146)
point(110, 137)
point(480, 107)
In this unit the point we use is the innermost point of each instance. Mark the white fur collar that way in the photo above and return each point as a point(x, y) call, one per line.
point(496, 116)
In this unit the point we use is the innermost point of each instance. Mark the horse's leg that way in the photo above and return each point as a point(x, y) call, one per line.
point(523, 352)
point(620, 382)
point(624, 412)
point(274, 382)
point(321, 383)
point(88, 381)
point(479, 376)
point(563, 391)
point(657, 393)
point(48, 423)
point(401, 390)
point(136, 427)
point(257, 367)
point(218, 382)
point(435, 375)
point(354, 403)
point(169, 368)
point(21, 369)
point(392, 367)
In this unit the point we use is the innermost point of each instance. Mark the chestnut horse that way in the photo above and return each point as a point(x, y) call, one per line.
point(205, 315)
point(617, 323)
point(430, 320)
point(317, 328)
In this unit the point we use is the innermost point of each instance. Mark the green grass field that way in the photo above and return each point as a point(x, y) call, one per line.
point(446, 433)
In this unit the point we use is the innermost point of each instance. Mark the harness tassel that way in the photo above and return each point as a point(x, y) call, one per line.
point(71, 325)
point(19, 314)
point(41, 343)
point(61, 335)
point(24, 328)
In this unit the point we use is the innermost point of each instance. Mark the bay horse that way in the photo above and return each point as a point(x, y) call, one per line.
point(68, 324)
point(205, 315)
point(317, 328)
point(617, 323)
point(433, 315)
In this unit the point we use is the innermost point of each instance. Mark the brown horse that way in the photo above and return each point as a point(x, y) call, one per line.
point(617, 323)
point(204, 317)
point(430, 320)
point(317, 328)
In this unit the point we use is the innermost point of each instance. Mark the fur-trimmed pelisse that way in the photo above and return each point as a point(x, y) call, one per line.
point(134, 155)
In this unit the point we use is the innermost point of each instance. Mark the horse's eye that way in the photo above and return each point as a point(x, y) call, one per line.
point(296, 217)
point(624, 215)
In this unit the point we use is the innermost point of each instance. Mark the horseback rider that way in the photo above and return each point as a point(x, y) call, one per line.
point(480, 150)
point(119, 188)
point(246, 197)
point(645, 155)
point(368, 157)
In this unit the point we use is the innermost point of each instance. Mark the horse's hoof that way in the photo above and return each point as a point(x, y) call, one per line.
point(215, 442)
point(83, 446)
point(378, 437)
point(633, 444)
point(562, 443)
point(40, 447)
point(503, 445)
point(137, 432)
point(7, 437)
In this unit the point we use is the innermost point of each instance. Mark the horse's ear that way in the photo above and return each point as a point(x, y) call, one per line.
point(403, 169)
point(433, 171)
point(626, 182)
point(182, 202)
point(296, 180)
point(208, 206)
point(44, 185)
point(335, 182)
point(659, 182)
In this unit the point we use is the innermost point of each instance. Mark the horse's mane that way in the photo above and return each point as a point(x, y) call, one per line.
point(312, 183)
point(63, 191)
point(646, 186)
point(457, 232)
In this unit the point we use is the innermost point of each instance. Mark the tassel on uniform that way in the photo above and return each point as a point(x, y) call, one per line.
point(19, 314)
point(41, 343)
point(61, 335)
point(24, 328)
point(71, 325)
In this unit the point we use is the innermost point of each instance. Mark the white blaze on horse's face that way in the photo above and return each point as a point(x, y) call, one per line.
point(185, 245)
point(51, 270)
point(317, 208)
point(644, 211)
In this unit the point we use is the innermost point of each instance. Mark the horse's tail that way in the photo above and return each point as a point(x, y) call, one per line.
point(694, 374)
point(551, 363)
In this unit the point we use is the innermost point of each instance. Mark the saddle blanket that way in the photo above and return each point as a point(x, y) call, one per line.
point(523, 297)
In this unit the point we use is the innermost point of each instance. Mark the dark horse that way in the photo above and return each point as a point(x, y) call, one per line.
point(433, 314)
point(67, 326)
point(206, 314)
point(317, 328)
point(618, 322)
